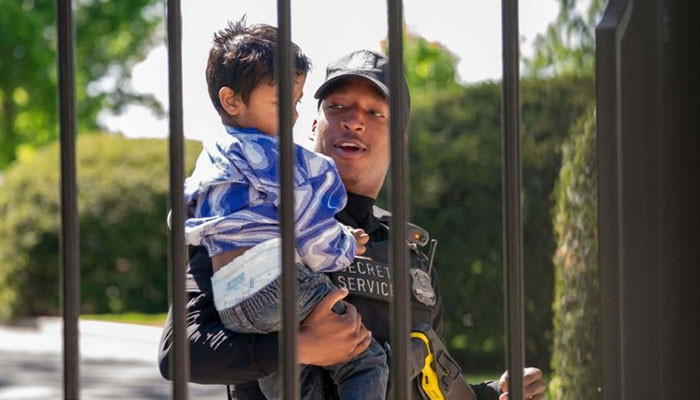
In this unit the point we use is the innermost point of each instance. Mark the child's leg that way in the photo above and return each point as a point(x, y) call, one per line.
point(364, 377)
point(313, 287)
point(311, 382)
point(246, 291)
point(260, 313)
point(256, 314)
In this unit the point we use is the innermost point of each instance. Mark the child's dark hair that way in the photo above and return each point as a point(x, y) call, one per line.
point(242, 56)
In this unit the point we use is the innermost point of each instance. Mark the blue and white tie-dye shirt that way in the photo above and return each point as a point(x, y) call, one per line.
point(233, 197)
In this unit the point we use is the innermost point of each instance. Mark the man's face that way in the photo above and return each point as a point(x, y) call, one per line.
point(261, 111)
point(352, 128)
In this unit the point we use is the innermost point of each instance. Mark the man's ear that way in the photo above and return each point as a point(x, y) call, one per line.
point(230, 102)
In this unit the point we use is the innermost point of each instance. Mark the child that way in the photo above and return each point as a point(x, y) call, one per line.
point(233, 199)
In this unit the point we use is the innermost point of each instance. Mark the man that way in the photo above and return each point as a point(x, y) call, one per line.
point(352, 128)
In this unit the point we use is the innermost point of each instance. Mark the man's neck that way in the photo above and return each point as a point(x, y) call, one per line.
point(358, 207)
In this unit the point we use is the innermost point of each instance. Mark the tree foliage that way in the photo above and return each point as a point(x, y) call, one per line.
point(430, 66)
point(568, 45)
point(568, 48)
point(455, 192)
point(111, 36)
point(122, 206)
point(575, 358)
point(455, 185)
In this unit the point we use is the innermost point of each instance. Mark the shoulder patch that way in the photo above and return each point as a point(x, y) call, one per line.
point(382, 215)
point(416, 234)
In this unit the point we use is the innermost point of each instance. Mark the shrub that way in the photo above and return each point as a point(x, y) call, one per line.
point(575, 356)
point(455, 193)
point(122, 206)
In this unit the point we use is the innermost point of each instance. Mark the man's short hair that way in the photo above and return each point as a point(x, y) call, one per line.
point(242, 56)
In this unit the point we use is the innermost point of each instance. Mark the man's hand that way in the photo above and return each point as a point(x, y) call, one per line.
point(326, 338)
point(532, 380)
point(362, 238)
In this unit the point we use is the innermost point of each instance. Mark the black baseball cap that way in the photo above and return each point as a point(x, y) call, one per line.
point(366, 64)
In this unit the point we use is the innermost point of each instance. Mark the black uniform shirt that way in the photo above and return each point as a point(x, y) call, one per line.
point(370, 274)
point(220, 356)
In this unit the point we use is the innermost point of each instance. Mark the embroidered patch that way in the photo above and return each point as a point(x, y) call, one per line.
point(362, 60)
point(369, 278)
point(366, 277)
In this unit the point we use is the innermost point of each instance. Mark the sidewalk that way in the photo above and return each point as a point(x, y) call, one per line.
point(118, 361)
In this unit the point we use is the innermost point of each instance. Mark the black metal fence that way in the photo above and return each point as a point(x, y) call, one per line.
point(400, 310)
point(608, 48)
point(648, 96)
point(70, 296)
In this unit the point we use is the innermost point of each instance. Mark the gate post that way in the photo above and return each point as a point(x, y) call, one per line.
point(180, 361)
point(70, 257)
point(512, 184)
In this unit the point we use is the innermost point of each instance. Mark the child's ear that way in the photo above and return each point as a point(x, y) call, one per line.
point(314, 125)
point(230, 102)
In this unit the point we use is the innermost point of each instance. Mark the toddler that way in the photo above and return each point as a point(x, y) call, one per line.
point(233, 199)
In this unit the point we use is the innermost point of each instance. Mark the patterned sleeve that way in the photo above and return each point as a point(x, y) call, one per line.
point(234, 199)
point(227, 209)
point(220, 232)
point(322, 242)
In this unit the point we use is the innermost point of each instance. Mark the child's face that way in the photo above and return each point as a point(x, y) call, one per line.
point(261, 111)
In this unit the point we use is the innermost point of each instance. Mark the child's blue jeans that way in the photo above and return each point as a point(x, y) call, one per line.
point(363, 377)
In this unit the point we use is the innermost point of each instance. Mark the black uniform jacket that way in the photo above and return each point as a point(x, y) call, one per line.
point(219, 356)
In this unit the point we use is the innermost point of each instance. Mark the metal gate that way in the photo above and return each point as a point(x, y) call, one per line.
point(400, 308)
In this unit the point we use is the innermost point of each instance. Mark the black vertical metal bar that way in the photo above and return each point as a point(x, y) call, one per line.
point(609, 33)
point(512, 220)
point(400, 307)
point(70, 257)
point(178, 257)
point(285, 83)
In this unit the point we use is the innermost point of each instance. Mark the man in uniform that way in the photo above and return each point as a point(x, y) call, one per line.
point(352, 128)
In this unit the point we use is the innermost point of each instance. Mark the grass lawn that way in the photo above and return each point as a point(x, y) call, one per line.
point(482, 377)
point(129, 318)
point(159, 320)
point(494, 376)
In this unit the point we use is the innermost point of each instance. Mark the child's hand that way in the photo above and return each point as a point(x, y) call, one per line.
point(362, 238)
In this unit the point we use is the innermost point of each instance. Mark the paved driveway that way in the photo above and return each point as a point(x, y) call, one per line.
point(118, 361)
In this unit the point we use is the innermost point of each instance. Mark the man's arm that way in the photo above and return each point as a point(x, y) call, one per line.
point(326, 338)
point(534, 386)
point(220, 356)
point(217, 355)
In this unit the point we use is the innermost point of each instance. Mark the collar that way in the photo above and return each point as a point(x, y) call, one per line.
point(233, 130)
point(359, 207)
point(358, 213)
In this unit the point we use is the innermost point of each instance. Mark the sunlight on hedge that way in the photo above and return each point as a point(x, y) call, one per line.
point(122, 203)
point(575, 356)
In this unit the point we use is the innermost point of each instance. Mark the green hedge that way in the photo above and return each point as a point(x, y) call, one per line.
point(455, 193)
point(122, 203)
point(575, 357)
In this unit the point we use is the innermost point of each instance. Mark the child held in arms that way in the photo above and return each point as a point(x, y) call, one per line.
point(233, 198)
